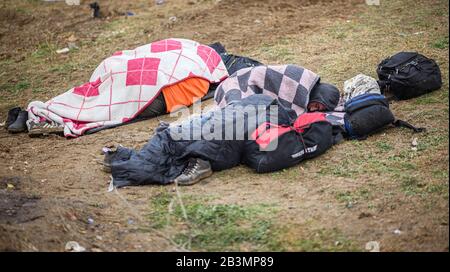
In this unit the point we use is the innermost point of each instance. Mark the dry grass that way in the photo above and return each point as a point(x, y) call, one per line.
point(355, 193)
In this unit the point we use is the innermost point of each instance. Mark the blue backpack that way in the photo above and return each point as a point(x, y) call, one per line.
point(368, 113)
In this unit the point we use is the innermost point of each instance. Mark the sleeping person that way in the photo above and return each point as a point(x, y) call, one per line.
point(253, 106)
point(145, 82)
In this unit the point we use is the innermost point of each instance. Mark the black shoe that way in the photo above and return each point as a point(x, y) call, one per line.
point(196, 170)
point(12, 116)
point(20, 125)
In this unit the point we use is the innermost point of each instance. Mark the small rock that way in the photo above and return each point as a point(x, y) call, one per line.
point(63, 51)
point(90, 221)
point(397, 232)
point(159, 2)
point(172, 19)
point(130, 221)
point(98, 237)
point(257, 21)
point(337, 243)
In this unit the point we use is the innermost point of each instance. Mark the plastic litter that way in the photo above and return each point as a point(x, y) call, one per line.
point(373, 246)
point(73, 246)
point(63, 50)
point(414, 144)
point(72, 45)
point(111, 186)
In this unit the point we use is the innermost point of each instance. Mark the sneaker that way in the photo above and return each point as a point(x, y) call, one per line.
point(20, 124)
point(109, 153)
point(44, 128)
point(196, 170)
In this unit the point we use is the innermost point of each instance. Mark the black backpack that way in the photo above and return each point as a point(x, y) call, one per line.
point(408, 75)
point(368, 113)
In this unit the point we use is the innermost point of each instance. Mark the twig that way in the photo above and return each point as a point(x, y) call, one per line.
point(183, 209)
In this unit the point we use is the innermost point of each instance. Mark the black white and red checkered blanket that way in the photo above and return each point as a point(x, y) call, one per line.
point(123, 85)
point(290, 84)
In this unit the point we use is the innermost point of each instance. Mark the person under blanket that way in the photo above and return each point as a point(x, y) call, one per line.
point(175, 155)
point(169, 99)
point(165, 160)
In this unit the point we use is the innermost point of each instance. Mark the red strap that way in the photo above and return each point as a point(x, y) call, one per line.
point(306, 119)
point(267, 132)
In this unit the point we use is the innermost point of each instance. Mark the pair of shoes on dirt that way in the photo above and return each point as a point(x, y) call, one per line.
point(44, 128)
point(196, 170)
point(16, 121)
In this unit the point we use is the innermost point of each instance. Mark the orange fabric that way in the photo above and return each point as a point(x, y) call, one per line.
point(184, 92)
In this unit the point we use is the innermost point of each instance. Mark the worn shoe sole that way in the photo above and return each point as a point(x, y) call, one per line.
point(19, 130)
point(44, 131)
point(203, 175)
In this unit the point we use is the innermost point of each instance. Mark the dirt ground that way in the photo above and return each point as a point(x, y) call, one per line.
point(52, 190)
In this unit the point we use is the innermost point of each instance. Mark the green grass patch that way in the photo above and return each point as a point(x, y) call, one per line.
point(383, 146)
point(213, 227)
point(44, 50)
point(441, 43)
point(411, 185)
point(280, 52)
point(351, 197)
point(15, 88)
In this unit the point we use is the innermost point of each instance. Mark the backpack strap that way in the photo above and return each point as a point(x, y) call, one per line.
point(267, 132)
point(401, 123)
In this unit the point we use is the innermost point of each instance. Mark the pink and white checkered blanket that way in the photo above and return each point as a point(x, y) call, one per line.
point(123, 85)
